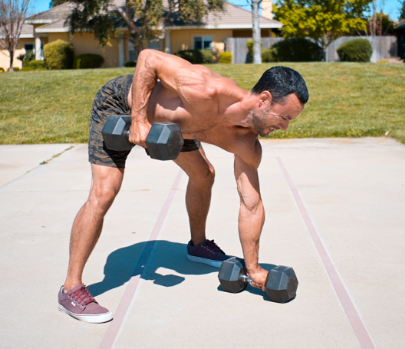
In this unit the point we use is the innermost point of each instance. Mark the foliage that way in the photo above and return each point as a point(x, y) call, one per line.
point(35, 65)
point(196, 56)
point(357, 50)
point(59, 55)
point(268, 55)
point(27, 57)
point(14, 69)
point(384, 24)
point(130, 64)
point(402, 11)
point(88, 60)
point(12, 17)
point(1, 70)
point(249, 45)
point(225, 58)
point(321, 20)
point(339, 103)
point(141, 17)
point(296, 50)
point(57, 2)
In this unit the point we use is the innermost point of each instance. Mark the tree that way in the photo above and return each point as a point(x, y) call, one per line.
point(142, 17)
point(402, 11)
point(54, 3)
point(322, 20)
point(12, 16)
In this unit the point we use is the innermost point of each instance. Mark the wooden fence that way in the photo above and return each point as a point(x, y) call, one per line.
point(383, 47)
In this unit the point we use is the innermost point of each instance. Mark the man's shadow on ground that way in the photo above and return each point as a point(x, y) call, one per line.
point(126, 262)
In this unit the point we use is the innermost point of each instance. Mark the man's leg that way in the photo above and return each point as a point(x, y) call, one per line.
point(106, 183)
point(198, 196)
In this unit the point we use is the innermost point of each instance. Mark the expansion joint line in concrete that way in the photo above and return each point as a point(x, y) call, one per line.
point(125, 303)
point(357, 324)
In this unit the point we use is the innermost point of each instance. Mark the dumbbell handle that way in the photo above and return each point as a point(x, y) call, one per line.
point(246, 278)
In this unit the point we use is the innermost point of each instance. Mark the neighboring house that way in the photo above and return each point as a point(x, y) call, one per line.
point(25, 44)
point(235, 22)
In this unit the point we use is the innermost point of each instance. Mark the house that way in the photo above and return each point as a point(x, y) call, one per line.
point(235, 22)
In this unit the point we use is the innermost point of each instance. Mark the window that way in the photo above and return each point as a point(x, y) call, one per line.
point(203, 42)
point(155, 44)
point(29, 47)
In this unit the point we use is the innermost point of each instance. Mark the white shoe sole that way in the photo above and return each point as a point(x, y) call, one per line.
point(94, 319)
point(212, 263)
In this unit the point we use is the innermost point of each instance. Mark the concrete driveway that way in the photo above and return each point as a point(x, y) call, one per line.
point(335, 212)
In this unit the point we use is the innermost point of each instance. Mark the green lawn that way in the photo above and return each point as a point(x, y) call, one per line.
point(346, 100)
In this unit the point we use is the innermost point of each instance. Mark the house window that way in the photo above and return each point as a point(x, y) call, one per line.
point(29, 47)
point(203, 42)
point(131, 52)
point(155, 44)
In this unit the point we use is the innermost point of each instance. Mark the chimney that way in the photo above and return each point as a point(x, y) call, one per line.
point(267, 8)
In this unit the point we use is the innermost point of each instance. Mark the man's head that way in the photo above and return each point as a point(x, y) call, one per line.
point(281, 95)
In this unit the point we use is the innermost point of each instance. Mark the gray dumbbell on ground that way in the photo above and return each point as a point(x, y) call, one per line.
point(281, 283)
point(164, 140)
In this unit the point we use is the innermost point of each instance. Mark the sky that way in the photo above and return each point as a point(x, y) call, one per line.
point(390, 7)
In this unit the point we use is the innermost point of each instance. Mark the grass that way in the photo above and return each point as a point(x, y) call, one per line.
point(346, 100)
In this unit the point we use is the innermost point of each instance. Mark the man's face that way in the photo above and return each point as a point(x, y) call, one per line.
point(270, 117)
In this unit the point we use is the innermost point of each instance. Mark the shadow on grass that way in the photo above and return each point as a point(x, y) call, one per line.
point(145, 258)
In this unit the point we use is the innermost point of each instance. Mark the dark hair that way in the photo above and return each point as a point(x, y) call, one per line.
point(281, 82)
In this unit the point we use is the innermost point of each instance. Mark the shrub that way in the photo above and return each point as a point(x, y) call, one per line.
point(88, 61)
point(130, 64)
point(15, 69)
point(357, 50)
point(296, 50)
point(196, 56)
point(225, 57)
point(249, 45)
point(268, 55)
point(35, 65)
point(1, 70)
point(59, 55)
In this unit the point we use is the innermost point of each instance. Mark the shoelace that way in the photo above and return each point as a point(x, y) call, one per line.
point(213, 246)
point(82, 296)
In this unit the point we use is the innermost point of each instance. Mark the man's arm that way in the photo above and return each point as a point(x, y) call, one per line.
point(251, 213)
point(152, 66)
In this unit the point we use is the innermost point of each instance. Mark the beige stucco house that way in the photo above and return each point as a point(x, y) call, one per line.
point(49, 26)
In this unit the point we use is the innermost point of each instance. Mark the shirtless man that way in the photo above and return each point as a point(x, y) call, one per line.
point(208, 108)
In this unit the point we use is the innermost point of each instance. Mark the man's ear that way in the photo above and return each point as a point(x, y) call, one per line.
point(265, 98)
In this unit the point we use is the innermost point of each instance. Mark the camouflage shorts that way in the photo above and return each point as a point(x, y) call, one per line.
point(112, 100)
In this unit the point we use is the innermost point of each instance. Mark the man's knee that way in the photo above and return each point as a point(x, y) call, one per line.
point(204, 177)
point(101, 198)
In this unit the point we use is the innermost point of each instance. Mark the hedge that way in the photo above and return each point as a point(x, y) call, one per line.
point(88, 61)
point(196, 56)
point(357, 50)
point(59, 55)
point(130, 64)
point(296, 50)
point(225, 58)
point(35, 65)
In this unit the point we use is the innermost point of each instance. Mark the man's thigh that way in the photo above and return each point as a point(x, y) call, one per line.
point(195, 164)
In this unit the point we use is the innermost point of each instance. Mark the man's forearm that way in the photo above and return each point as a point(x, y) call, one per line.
point(251, 222)
point(143, 83)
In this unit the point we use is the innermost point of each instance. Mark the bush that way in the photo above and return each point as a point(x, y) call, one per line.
point(249, 45)
point(88, 61)
point(15, 69)
point(268, 55)
point(34, 65)
point(59, 55)
point(1, 70)
point(296, 50)
point(225, 58)
point(196, 56)
point(357, 50)
point(130, 64)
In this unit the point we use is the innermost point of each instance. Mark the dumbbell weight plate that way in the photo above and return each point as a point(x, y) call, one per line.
point(281, 284)
point(164, 141)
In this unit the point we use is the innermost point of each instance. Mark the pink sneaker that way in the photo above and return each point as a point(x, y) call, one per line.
point(81, 305)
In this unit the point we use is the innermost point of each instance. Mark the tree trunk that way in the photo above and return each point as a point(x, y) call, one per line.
point(11, 52)
point(257, 54)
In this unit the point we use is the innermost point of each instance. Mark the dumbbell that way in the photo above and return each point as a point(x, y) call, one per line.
point(164, 140)
point(281, 283)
